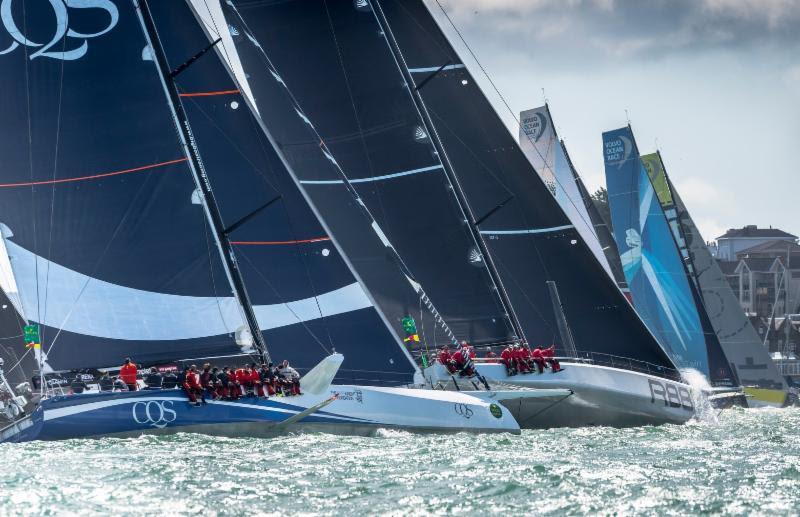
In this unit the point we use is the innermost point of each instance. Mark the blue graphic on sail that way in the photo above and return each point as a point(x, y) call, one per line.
point(651, 263)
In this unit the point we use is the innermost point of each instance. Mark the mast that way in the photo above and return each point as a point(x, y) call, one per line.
point(201, 179)
point(469, 217)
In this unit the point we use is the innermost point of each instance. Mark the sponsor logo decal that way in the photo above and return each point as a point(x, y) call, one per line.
point(495, 410)
point(617, 150)
point(61, 31)
point(356, 395)
point(155, 413)
point(534, 126)
point(463, 410)
point(671, 394)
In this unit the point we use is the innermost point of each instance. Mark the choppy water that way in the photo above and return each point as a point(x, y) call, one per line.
point(748, 462)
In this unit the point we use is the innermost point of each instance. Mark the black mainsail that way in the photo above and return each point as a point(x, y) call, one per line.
point(528, 235)
point(358, 136)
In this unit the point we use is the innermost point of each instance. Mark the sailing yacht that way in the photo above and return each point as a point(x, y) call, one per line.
point(750, 362)
point(370, 103)
point(145, 214)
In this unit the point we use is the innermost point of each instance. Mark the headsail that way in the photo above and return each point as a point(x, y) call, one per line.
point(528, 235)
point(654, 269)
point(540, 143)
point(359, 136)
point(742, 346)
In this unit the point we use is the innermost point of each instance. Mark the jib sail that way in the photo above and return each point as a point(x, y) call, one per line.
point(654, 269)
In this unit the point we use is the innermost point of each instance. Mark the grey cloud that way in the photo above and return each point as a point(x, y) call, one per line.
point(634, 28)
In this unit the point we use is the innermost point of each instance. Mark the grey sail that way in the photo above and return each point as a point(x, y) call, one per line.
point(740, 342)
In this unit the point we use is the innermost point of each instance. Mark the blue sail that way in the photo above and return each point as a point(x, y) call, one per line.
point(651, 263)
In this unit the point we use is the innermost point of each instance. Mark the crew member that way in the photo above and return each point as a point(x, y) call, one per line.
point(207, 381)
point(191, 386)
point(538, 359)
point(223, 383)
point(446, 359)
point(463, 361)
point(523, 354)
point(78, 385)
point(549, 355)
point(507, 358)
point(290, 377)
point(267, 378)
point(128, 374)
point(170, 380)
point(106, 383)
point(154, 380)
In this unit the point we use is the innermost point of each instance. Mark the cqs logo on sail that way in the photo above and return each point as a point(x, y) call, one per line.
point(156, 413)
point(60, 30)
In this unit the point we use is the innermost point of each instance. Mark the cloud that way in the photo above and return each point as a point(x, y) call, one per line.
point(634, 28)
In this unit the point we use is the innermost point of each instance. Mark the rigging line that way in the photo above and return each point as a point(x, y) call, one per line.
point(364, 146)
point(324, 148)
point(19, 362)
point(53, 190)
point(286, 304)
point(210, 94)
point(210, 254)
point(93, 176)
point(503, 99)
point(310, 279)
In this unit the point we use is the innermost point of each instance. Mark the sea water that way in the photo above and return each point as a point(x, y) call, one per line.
point(747, 462)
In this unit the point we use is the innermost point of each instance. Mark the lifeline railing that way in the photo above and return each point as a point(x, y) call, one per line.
point(584, 356)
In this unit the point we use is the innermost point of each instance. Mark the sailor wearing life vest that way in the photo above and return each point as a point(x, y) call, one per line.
point(446, 359)
point(507, 358)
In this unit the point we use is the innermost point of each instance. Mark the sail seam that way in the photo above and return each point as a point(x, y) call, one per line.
point(280, 243)
point(373, 178)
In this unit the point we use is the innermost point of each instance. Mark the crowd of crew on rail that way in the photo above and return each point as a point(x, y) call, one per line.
point(202, 384)
point(517, 358)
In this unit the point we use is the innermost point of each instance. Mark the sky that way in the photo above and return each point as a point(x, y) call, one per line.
point(713, 84)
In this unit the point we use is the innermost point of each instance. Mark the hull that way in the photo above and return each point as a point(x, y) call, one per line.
point(602, 396)
point(761, 397)
point(357, 410)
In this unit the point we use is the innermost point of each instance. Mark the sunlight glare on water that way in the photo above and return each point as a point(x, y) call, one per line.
point(747, 462)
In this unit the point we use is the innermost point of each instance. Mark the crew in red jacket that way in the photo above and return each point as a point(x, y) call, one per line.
point(128, 373)
point(191, 385)
point(463, 361)
point(446, 359)
point(548, 354)
point(507, 358)
point(524, 358)
point(538, 359)
point(254, 379)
